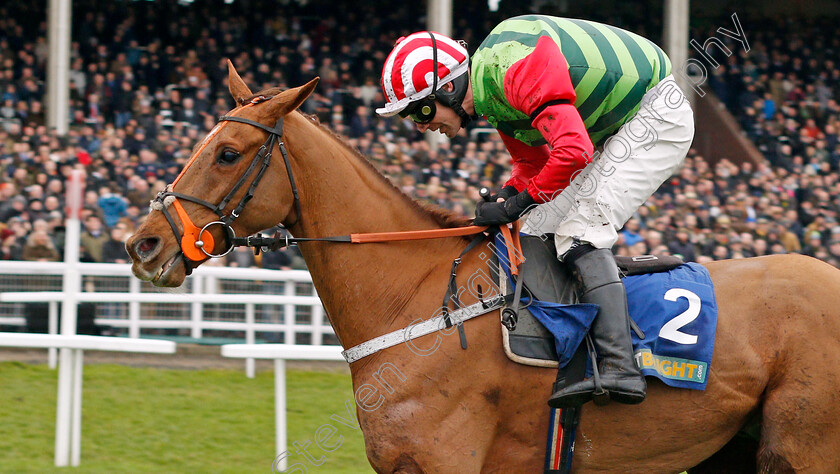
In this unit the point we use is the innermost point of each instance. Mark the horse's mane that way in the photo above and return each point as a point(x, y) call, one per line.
point(442, 217)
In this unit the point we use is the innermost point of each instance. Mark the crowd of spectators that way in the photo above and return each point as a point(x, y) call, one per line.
point(148, 80)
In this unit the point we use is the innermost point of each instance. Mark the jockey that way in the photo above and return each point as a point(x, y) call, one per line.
point(556, 88)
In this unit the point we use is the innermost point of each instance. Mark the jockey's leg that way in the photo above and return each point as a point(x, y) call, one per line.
point(619, 376)
point(642, 154)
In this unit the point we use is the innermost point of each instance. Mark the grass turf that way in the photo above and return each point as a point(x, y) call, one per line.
point(141, 420)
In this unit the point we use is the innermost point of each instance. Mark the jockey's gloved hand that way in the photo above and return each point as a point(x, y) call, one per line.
point(505, 193)
point(499, 213)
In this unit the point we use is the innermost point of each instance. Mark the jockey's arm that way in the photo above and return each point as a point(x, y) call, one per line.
point(526, 161)
point(539, 85)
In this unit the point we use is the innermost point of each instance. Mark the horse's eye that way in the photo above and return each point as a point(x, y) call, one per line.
point(227, 157)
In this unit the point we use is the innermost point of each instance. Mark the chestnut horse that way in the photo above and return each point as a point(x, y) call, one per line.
point(776, 360)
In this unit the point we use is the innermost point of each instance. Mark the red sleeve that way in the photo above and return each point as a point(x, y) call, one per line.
point(571, 150)
point(526, 161)
point(539, 85)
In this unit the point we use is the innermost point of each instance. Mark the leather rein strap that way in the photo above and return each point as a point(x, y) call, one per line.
point(281, 240)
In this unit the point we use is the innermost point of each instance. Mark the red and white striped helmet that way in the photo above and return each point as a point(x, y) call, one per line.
point(408, 73)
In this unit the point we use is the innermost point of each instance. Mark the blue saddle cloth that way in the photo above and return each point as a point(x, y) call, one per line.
point(676, 311)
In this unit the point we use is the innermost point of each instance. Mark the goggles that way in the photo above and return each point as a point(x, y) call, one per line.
point(421, 111)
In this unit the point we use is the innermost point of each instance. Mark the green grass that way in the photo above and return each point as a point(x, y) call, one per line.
point(139, 420)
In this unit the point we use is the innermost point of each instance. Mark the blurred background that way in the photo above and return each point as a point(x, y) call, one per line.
point(147, 80)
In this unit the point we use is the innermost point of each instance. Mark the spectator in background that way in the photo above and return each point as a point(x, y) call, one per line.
point(39, 247)
point(113, 206)
point(631, 232)
point(10, 248)
point(93, 237)
point(113, 249)
point(813, 244)
point(277, 260)
point(15, 207)
point(361, 123)
point(57, 231)
point(139, 193)
point(682, 246)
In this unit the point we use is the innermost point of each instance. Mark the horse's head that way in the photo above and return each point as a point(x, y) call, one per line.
point(235, 183)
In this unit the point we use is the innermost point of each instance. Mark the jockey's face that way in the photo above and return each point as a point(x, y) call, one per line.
point(445, 121)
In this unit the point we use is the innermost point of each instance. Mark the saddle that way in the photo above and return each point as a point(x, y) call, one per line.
point(526, 341)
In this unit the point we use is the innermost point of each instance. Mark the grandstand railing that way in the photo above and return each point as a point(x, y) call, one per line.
point(214, 304)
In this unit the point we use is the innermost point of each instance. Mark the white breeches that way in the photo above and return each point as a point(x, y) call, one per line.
point(635, 161)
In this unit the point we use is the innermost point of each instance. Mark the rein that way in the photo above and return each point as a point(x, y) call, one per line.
point(195, 242)
point(279, 240)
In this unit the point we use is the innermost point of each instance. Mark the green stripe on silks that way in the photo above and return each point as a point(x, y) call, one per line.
point(575, 59)
point(525, 39)
point(661, 64)
point(625, 59)
point(607, 50)
point(513, 128)
point(591, 108)
point(640, 59)
point(598, 138)
point(594, 69)
point(628, 104)
point(630, 87)
point(595, 103)
point(667, 67)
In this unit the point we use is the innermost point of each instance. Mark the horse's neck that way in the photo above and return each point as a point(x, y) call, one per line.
point(366, 288)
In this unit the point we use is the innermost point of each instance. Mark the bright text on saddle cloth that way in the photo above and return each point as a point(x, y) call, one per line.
point(677, 312)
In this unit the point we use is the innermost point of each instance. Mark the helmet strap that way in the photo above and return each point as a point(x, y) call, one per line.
point(465, 117)
point(434, 58)
point(445, 98)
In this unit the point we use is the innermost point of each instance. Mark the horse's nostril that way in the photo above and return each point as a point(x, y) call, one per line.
point(146, 246)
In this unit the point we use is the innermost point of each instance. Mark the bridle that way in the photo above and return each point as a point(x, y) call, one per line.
point(195, 242)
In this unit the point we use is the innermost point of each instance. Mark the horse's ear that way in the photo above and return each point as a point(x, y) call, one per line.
point(237, 86)
point(289, 100)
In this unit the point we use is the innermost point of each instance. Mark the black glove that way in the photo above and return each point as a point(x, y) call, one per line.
point(505, 193)
point(499, 213)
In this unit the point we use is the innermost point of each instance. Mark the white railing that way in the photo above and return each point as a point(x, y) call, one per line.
point(241, 303)
point(281, 353)
point(68, 423)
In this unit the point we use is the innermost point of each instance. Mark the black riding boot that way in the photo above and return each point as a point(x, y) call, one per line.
point(619, 375)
